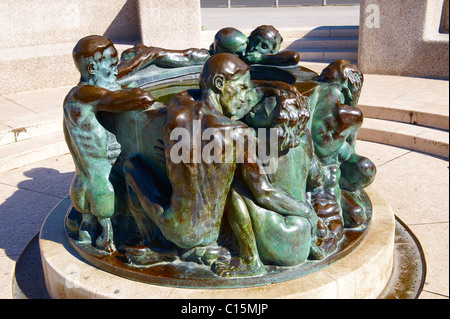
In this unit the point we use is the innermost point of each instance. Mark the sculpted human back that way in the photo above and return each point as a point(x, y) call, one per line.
point(93, 148)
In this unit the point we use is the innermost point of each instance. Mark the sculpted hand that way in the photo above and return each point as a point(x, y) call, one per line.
point(254, 57)
point(199, 56)
point(113, 151)
point(145, 100)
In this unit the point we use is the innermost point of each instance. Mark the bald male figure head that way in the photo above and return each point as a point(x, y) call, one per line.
point(97, 59)
point(230, 40)
point(225, 80)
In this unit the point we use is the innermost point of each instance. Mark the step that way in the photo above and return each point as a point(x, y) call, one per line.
point(14, 135)
point(327, 54)
point(318, 32)
point(32, 150)
point(329, 42)
point(430, 116)
point(414, 137)
point(294, 33)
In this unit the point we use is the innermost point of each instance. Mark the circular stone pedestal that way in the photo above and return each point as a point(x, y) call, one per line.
point(363, 273)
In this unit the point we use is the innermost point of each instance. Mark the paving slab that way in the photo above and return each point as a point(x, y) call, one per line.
point(416, 185)
point(433, 238)
point(419, 138)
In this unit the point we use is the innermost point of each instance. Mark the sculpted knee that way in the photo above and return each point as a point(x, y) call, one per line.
point(357, 172)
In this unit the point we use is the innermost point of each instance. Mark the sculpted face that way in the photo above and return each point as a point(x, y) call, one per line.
point(347, 76)
point(234, 95)
point(264, 43)
point(104, 68)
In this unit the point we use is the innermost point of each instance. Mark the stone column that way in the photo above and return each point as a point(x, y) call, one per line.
point(171, 24)
point(403, 38)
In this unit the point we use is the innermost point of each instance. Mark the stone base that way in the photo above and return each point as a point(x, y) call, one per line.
point(363, 273)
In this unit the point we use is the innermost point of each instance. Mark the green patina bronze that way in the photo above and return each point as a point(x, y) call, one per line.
point(262, 46)
point(214, 172)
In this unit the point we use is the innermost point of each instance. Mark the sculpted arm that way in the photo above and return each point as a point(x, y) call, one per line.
point(101, 99)
point(137, 58)
point(141, 56)
point(286, 57)
point(269, 196)
point(179, 58)
point(124, 100)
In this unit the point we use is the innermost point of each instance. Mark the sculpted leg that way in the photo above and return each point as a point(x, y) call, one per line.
point(145, 225)
point(357, 172)
point(326, 202)
point(352, 209)
point(142, 200)
point(332, 224)
point(248, 262)
point(144, 193)
point(88, 228)
point(100, 199)
point(281, 240)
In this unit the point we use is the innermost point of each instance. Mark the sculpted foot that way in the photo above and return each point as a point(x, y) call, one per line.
point(206, 255)
point(315, 252)
point(105, 240)
point(87, 228)
point(84, 236)
point(238, 267)
point(146, 256)
point(106, 244)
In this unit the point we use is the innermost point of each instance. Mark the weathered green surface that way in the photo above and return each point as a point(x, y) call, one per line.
point(231, 168)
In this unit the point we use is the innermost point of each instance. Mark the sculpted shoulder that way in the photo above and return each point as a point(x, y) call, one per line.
point(85, 94)
point(181, 109)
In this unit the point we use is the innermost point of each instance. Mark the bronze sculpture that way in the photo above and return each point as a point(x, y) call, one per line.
point(189, 180)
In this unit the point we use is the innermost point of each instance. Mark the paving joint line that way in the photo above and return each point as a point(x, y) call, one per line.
point(32, 190)
point(19, 104)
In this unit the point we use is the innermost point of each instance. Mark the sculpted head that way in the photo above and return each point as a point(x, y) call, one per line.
point(265, 39)
point(347, 76)
point(96, 58)
point(230, 40)
point(288, 113)
point(227, 77)
point(292, 120)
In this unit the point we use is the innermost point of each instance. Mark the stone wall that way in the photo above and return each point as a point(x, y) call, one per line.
point(171, 24)
point(37, 36)
point(404, 38)
point(444, 27)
